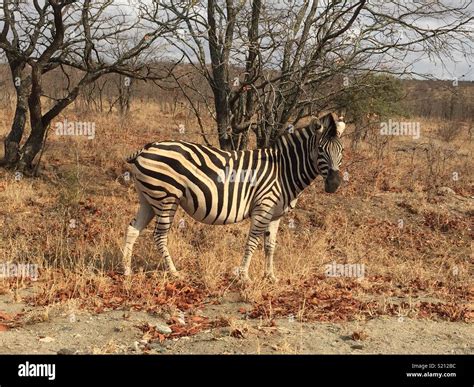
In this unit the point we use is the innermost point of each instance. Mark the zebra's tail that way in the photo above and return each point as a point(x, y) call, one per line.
point(131, 158)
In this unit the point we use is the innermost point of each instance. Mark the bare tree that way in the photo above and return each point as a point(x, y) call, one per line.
point(40, 36)
point(271, 63)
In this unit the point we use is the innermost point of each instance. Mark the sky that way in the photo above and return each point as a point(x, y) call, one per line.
point(460, 67)
point(461, 70)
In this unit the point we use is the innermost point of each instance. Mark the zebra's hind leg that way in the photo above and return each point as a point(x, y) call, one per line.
point(142, 219)
point(164, 219)
point(270, 243)
point(261, 217)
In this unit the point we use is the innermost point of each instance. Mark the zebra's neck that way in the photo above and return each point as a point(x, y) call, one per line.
point(298, 161)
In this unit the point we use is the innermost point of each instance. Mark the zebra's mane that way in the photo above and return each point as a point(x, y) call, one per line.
point(330, 127)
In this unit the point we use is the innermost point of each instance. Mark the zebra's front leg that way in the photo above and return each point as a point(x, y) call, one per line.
point(270, 243)
point(260, 220)
point(164, 221)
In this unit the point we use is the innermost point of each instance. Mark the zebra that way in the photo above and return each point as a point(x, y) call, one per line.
point(170, 174)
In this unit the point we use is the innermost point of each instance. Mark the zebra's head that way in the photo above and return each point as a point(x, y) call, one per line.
point(329, 150)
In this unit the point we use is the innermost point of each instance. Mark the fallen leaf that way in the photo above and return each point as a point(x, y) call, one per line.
point(5, 316)
point(3, 328)
point(237, 333)
point(359, 335)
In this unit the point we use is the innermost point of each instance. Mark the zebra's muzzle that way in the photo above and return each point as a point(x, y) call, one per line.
point(332, 182)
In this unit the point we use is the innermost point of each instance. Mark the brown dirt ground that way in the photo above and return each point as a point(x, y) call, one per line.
point(68, 330)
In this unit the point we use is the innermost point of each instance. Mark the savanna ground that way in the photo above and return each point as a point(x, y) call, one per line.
point(404, 211)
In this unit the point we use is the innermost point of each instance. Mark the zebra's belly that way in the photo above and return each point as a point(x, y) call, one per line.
point(216, 214)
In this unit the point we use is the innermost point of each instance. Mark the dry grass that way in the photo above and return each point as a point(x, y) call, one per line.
point(414, 242)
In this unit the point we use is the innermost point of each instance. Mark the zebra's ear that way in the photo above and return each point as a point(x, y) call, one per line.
point(329, 124)
point(315, 125)
point(340, 126)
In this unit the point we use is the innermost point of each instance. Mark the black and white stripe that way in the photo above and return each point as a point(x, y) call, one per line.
point(219, 187)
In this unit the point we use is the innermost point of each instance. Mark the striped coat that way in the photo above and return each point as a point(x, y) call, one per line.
point(218, 187)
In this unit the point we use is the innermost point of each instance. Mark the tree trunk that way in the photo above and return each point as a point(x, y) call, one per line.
point(34, 142)
point(222, 118)
point(124, 95)
point(32, 146)
point(262, 137)
point(12, 141)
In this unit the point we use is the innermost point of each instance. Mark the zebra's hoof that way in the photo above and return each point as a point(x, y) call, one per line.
point(175, 275)
point(244, 279)
point(241, 275)
point(270, 278)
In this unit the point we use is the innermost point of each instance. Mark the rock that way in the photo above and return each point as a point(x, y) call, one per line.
point(163, 328)
point(46, 339)
point(357, 346)
point(445, 191)
point(136, 347)
point(66, 351)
